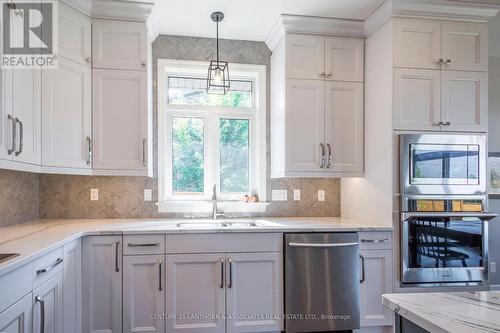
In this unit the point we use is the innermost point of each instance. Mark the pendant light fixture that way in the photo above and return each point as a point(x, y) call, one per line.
point(218, 71)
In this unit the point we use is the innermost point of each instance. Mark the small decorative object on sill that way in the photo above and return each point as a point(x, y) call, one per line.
point(254, 198)
point(218, 71)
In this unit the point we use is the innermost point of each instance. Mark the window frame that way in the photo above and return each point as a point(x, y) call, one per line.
point(211, 116)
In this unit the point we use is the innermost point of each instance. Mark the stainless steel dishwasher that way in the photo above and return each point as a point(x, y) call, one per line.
point(321, 282)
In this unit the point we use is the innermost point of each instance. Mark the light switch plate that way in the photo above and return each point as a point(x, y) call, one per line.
point(296, 195)
point(94, 194)
point(321, 195)
point(148, 194)
point(279, 195)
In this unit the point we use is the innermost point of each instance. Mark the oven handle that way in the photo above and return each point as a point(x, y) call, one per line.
point(483, 216)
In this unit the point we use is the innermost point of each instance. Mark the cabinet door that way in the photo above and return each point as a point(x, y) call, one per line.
point(344, 59)
point(143, 293)
point(378, 281)
point(344, 127)
point(72, 287)
point(417, 43)
point(102, 283)
point(66, 116)
point(305, 116)
point(26, 104)
point(254, 292)
point(120, 120)
point(74, 35)
point(305, 57)
point(464, 101)
point(465, 45)
point(17, 318)
point(119, 44)
point(6, 116)
point(195, 286)
point(48, 306)
point(417, 99)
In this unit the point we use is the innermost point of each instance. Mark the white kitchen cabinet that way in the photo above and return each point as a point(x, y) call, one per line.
point(66, 116)
point(464, 101)
point(6, 117)
point(195, 285)
point(465, 46)
point(254, 287)
point(102, 283)
point(120, 121)
point(344, 59)
point(143, 293)
point(344, 127)
point(305, 57)
point(72, 287)
point(48, 306)
point(75, 33)
point(17, 318)
point(119, 45)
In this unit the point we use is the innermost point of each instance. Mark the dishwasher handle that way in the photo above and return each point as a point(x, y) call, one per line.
point(321, 245)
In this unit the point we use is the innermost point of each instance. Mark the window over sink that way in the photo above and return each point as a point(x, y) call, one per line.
point(207, 139)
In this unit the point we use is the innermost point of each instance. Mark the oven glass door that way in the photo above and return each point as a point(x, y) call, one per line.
point(444, 164)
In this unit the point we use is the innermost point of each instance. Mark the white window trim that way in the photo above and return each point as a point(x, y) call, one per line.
point(166, 203)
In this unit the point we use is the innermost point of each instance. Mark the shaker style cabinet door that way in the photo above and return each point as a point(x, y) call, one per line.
point(72, 287)
point(305, 125)
point(254, 296)
point(344, 127)
point(465, 46)
point(6, 116)
point(344, 59)
point(48, 306)
point(195, 285)
point(143, 293)
point(119, 45)
point(417, 44)
point(305, 57)
point(74, 35)
point(17, 318)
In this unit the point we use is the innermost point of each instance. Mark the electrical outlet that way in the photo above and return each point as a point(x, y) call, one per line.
point(279, 195)
point(321, 195)
point(148, 194)
point(493, 267)
point(94, 194)
point(296, 195)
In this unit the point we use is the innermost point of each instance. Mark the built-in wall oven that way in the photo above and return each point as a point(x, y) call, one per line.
point(444, 218)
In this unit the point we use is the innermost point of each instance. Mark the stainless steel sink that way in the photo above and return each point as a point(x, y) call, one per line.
point(242, 224)
point(202, 225)
point(7, 256)
point(210, 224)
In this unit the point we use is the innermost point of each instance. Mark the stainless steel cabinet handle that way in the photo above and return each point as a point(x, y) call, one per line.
point(440, 61)
point(89, 150)
point(160, 264)
point(322, 161)
point(329, 75)
point(329, 156)
point(13, 130)
point(447, 123)
point(362, 269)
point(230, 284)
point(375, 240)
point(320, 245)
point(49, 268)
point(447, 62)
point(221, 285)
point(143, 63)
point(21, 135)
point(323, 74)
point(38, 299)
point(144, 152)
point(117, 268)
point(143, 244)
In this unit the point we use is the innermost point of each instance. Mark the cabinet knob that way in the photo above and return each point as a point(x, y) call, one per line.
point(143, 63)
point(88, 59)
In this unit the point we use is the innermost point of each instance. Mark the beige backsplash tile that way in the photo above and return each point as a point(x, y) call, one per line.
point(18, 197)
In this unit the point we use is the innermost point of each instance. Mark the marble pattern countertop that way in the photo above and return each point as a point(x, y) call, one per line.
point(455, 312)
point(35, 239)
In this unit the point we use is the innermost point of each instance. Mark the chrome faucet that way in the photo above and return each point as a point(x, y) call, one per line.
point(215, 215)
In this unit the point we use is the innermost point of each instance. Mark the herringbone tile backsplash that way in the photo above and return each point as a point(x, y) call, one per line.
point(18, 197)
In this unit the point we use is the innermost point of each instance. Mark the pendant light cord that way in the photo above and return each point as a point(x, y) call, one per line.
point(217, 34)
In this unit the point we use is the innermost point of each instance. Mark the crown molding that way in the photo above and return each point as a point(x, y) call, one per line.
point(425, 9)
point(313, 26)
point(84, 6)
point(122, 10)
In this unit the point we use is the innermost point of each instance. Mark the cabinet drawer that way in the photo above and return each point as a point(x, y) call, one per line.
point(22, 279)
point(376, 240)
point(143, 244)
point(210, 243)
point(47, 266)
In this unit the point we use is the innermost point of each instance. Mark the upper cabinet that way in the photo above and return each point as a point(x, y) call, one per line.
point(344, 59)
point(305, 57)
point(430, 44)
point(119, 45)
point(74, 35)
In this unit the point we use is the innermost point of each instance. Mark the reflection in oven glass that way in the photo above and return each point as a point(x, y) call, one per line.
point(445, 242)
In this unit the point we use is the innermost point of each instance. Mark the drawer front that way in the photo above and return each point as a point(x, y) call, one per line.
point(143, 244)
point(375, 240)
point(230, 242)
point(47, 266)
point(14, 285)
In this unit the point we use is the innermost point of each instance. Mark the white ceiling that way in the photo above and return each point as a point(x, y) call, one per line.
point(247, 19)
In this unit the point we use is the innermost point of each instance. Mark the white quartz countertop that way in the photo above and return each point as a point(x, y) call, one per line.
point(458, 312)
point(34, 239)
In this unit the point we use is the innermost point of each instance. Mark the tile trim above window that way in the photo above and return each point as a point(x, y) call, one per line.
point(170, 204)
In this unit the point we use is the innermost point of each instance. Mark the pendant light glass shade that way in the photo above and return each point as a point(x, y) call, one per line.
point(218, 71)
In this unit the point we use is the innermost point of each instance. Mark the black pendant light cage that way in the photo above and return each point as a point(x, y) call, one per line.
point(218, 71)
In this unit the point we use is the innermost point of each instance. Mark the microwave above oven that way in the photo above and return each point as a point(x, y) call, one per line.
point(443, 164)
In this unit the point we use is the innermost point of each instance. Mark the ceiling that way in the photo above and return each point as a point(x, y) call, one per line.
point(247, 19)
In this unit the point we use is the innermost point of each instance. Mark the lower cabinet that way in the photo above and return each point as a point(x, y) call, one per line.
point(72, 287)
point(17, 318)
point(48, 306)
